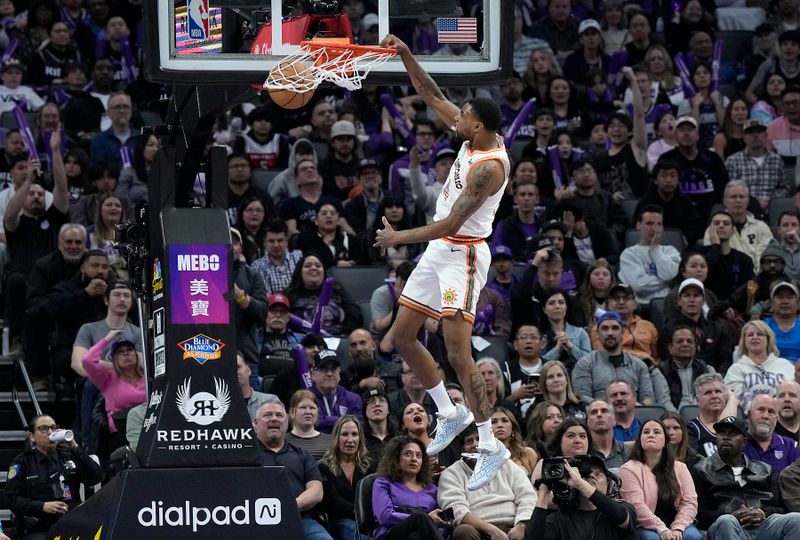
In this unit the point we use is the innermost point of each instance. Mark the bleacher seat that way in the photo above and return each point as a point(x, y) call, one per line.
point(656, 313)
point(263, 177)
point(777, 206)
point(629, 206)
point(366, 313)
point(516, 149)
point(9, 121)
point(365, 519)
point(360, 281)
point(670, 237)
point(150, 118)
point(649, 412)
point(497, 349)
point(689, 412)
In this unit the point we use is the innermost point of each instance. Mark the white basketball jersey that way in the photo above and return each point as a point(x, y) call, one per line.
point(479, 224)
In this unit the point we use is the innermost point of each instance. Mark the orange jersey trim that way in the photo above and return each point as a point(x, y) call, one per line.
point(419, 307)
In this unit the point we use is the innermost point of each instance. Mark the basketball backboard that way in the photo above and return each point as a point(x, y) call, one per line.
point(459, 42)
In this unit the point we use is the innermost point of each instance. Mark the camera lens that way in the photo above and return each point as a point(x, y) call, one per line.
point(136, 235)
point(553, 471)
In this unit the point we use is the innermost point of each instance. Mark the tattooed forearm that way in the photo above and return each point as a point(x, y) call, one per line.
point(427, 87)
point(477, 190)
point(476, 396)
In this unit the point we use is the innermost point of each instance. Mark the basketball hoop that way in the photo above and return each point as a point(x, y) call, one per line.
point(341, 63)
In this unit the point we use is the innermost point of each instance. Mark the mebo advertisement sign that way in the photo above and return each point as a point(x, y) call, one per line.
point(198, 282)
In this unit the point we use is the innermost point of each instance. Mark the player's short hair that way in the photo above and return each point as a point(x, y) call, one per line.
point(488, 112)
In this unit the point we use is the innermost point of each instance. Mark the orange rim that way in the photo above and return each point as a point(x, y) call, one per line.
point(321, 43)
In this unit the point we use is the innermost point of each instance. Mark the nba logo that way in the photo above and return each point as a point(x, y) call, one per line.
point(198, 19)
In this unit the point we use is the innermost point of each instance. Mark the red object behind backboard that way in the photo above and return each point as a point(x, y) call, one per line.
point(295, 30)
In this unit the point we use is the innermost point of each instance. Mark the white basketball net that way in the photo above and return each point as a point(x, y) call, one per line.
point(343, 67)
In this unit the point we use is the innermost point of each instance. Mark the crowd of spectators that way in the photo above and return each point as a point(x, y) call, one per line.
point(643, 291)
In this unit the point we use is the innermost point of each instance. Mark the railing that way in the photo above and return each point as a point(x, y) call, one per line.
point(21, 374)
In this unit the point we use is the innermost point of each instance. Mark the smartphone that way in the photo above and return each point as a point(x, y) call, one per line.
point(448, 515)
point(531, 379)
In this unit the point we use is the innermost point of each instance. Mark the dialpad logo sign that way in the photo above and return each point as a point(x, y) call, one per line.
point(263, 511)
point(203, 408)
point(202, 348)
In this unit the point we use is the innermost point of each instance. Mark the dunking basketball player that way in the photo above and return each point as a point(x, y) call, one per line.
point(446, 282)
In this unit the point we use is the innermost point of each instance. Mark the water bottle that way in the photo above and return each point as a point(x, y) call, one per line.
point(63, 435)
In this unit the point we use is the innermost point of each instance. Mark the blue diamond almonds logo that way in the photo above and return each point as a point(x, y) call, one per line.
point(202, 348)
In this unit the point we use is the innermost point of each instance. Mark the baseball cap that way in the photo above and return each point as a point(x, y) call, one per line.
point(686, 120)
point(278, 299)
point(753, 123)
point(324, 357)
point(623, 287)
point(368, 163)
point(541, 242)
point(123, 342)
point(731, 422)
point(369, 20)
point(501, 251)
point(12, 63)
point(610, 316)
point(554, 224)
point(444, 153)
point(343, 127)
point(371, 393)
point(588, 23)
point(691, 282)
point(784, 285)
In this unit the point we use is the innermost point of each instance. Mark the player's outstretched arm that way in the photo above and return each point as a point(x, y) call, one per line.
point(484, 180)
point(425, 86)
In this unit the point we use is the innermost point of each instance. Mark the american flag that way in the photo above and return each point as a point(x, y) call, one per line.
point(457, 29)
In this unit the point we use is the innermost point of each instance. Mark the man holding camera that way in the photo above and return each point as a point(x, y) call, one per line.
point(588, 507)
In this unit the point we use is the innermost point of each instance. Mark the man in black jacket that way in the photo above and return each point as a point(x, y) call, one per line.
point(739, 498)
point(48, 271)
point(715, 347)
point(681, 368)
point(679, 210)
point(76, 301)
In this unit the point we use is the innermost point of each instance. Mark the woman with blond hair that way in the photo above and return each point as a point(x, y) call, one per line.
point(342, 467)
point(659, 63)
point(759, 368)
point(506, 429)
point(542, 66)
point(556, 387)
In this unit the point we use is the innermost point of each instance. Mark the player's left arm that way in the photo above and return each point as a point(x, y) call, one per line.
point(484, 180)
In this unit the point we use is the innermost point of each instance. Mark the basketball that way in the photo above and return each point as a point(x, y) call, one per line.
point(294, 74)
